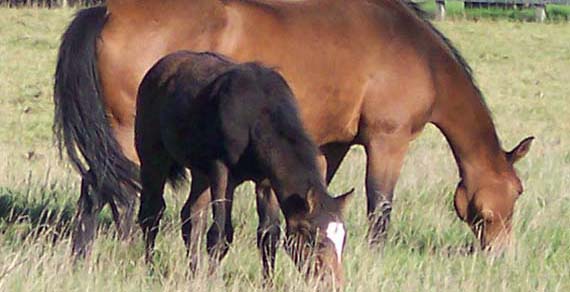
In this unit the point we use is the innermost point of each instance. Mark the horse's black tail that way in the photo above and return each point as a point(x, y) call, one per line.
point(80, 122)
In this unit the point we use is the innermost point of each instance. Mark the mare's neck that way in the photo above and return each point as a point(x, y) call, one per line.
point(466, 122)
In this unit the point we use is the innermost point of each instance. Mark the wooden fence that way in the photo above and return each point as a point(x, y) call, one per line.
point(538, 5)
point(49, 3)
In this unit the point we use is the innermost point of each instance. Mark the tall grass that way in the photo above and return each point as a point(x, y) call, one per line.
point(521, 68)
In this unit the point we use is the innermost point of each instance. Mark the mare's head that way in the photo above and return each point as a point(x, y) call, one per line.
point(316, 233)
point(488, 208)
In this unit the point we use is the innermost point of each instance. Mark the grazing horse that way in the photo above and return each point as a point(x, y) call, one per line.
point(231, 123)
point(367, 72)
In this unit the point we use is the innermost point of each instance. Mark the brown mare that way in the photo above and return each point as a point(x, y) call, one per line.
point(368, 72)
point(229, 123)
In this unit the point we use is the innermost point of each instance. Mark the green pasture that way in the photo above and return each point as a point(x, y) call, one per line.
point(455, 10)
point(522, 68)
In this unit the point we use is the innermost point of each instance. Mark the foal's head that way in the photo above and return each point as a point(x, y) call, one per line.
point(316, 233)
point(488, 209)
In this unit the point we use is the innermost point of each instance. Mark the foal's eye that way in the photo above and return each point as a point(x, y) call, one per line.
point(304, 229)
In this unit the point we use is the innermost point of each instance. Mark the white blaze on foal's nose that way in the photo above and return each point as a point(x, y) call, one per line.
point(336, 233)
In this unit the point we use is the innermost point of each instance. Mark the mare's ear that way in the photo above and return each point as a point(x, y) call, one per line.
point(293, 205)
point(520, 150)
point(343, 199)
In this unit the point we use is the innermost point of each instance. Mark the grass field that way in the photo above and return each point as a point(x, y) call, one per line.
point(521, 67)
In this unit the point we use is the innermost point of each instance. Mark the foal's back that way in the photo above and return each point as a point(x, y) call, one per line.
point(233, 119)
point(201, 107)
point(171, 82)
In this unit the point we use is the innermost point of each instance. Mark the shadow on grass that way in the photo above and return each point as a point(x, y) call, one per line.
point(24, 215)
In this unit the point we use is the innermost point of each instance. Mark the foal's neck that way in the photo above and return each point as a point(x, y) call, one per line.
point(294, 174)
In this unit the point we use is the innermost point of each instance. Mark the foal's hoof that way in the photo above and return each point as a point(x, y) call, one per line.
point(216, 244)
point(268, 285)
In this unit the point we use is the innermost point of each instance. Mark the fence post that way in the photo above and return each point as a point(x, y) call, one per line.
point(540, 12)
point(439, 9)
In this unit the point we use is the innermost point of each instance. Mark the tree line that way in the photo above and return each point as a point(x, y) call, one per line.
point(49, 3)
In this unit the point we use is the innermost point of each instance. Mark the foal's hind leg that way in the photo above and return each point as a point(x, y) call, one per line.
point(268, 230)
point(193, 217)
point(153, 179)
point(220, 234)
point(89, 206)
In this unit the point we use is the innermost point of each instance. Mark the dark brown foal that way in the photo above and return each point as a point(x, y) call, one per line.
point(229, 123)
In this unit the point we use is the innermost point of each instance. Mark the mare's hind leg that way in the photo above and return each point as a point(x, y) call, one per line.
point(123, 215)
point(268, 230)
point(220, 234)
point(153, 179)
point(193, 217)
point(88, 207)
point(384, 161)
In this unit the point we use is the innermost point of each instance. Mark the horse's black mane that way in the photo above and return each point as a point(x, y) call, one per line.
point(288, 123)
point(425, 16)
point(285, 120)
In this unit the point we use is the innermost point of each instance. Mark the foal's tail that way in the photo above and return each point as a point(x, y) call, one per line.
point(80, 122)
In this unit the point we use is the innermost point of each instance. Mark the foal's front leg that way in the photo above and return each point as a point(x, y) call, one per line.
point(268, 230)
point(220, 234)
point(193, 216)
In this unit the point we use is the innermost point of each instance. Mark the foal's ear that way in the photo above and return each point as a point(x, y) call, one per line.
point(295, 204)
point(312, 200)
point(343, 199)
point(520, 150)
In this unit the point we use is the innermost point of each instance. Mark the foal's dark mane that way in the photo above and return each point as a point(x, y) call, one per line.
point(425, 17)
point(288, 123)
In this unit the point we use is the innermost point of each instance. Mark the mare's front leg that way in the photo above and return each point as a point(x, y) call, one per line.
point(220, 234)
point(269, 229)
point(385, 155)
point(193, 217)
point(153, 179)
